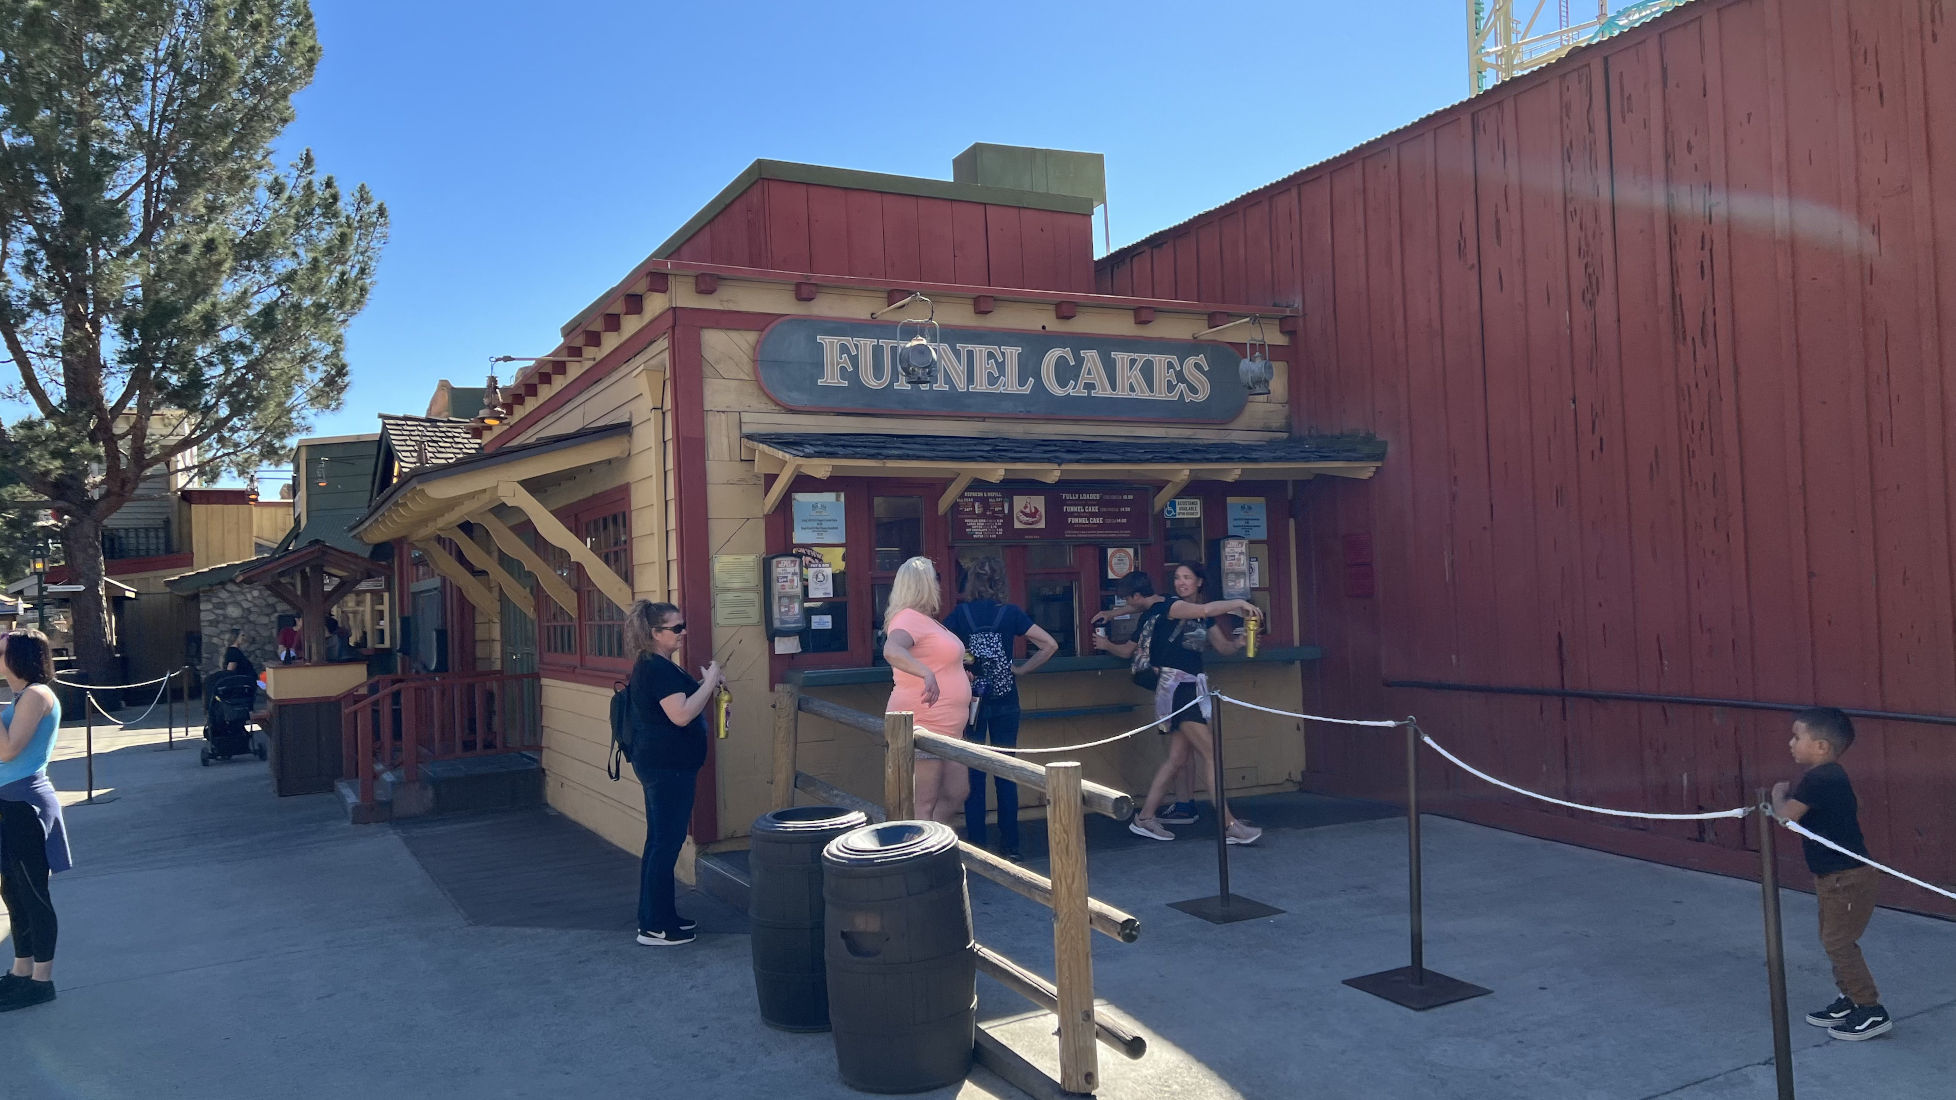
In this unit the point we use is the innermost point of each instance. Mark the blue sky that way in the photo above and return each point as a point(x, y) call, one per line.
point(531, 153)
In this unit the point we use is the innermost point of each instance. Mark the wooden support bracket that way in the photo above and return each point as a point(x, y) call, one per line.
point(551, 528)
point(779, 489)
point(485, 561)
point(553, 585)
point(458, 575)
point(1175, 485)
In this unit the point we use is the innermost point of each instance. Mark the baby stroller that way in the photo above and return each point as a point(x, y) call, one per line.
point(227, 718)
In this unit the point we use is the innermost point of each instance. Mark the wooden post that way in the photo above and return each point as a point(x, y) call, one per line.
point(900, 766)
point(786, 720)
point(1066, 831)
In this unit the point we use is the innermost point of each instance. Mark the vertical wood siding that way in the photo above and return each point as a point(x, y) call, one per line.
point(787, 226)
point(1660, 339)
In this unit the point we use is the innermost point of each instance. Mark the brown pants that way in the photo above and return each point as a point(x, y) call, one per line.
point(1847, 900)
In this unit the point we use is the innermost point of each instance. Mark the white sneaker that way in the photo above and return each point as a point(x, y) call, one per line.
point(1149, 827)
point(1242, 832)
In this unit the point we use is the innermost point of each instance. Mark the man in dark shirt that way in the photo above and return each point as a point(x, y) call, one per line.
point(1824, 804)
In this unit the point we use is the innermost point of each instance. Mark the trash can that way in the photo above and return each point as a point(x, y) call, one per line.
point(902, 975)
point(785, 909)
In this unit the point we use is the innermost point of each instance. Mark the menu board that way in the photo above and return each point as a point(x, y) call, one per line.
point(1084, 515)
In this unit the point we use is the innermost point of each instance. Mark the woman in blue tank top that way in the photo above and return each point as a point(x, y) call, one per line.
point(33, 843)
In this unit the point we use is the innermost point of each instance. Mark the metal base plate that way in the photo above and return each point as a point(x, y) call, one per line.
point(93, 800)
point(1225, 909)
point(1431, 991)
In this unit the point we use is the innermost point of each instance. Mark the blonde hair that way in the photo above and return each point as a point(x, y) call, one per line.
point(642, 621)
point(915, 588)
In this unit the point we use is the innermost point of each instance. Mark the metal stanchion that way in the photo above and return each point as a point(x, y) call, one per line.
point(171, 741)
point(1224, 908)
point(88, 711)
point(1775, 951)
point(1415, 986)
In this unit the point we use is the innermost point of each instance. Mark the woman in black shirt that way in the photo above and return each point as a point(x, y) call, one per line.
point(668, 749)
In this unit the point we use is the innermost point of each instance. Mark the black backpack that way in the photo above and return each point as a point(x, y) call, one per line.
point(1141, 666)
point(622, 721)
point(992, 651)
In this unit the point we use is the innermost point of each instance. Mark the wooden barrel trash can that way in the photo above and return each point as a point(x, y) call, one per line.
point(902, 975)
point(784, 906)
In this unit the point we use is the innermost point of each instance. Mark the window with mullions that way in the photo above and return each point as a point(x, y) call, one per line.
point(556, 626)
point(603, 622)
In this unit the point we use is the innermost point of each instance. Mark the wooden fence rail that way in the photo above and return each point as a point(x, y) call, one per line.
point(1076, 914)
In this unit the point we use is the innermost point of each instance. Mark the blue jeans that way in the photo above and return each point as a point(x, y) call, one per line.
point(668, 807)
point(998, 724)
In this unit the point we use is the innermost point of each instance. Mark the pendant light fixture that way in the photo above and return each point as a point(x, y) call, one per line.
point(1255, 369)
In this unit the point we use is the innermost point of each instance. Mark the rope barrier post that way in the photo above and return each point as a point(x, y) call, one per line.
point(1415, 986)
point(1224, 908)
point(900, 766)
point(1775, 952)
point(170, 741)
point(87, 698)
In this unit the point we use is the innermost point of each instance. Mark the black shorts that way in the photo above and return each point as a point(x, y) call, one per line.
point(1184, 695)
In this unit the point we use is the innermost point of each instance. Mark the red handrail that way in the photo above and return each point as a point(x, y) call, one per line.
point(436, 717)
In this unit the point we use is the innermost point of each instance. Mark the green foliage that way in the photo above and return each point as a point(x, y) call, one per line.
point(169, 291)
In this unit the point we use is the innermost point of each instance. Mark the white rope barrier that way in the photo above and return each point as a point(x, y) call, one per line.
point(1096, 744)
point(139, 717)
point(1740, 811)
point(120, 687)
point(1796, 827)
point(1382, 724)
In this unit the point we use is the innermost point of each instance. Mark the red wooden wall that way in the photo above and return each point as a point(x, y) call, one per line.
point(1659, 337)
point(789, 226)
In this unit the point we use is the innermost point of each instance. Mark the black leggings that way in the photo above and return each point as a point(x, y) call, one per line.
point(24, 881)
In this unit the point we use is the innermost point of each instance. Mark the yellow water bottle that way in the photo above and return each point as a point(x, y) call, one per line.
point(723, 700)
point(1251, 625)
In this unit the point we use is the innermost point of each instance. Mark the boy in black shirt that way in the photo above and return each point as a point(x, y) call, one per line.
point(1846, 888)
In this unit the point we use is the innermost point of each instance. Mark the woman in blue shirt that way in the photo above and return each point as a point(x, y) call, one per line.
point(32, 841)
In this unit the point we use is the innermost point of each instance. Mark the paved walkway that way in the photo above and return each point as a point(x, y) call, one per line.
point(218, 942)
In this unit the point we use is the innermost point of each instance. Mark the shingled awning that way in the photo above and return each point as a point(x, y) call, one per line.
point(1170, 461)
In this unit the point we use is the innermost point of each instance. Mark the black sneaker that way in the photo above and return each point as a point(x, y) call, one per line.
point(1865, 1022)
point(665, 939)
point(688, 924)
point(1832, 1014)
point(26, 993)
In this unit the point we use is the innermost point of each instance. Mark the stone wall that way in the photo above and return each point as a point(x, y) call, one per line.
point(225, 609)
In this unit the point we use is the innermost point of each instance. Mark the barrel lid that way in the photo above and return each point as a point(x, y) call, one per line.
point(810, 819)
point(890, 842)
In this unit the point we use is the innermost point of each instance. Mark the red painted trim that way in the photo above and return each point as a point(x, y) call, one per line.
point(893, 297)
point(706, 284)
point(728, 318)
point(124, 567)
point(634, 303)
point(593, 338)
point(216, 496)
point(695, 572)
point(1066, 311)
point(1290, 324)
point(1218, 317)
point(805, 292)
point(630, 346)
point(984, 303)
point(612, 321)
point(657, 275)
point(1144, 315)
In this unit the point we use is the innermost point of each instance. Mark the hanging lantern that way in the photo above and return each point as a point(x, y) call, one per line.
point(1255, 370)
point(916, 355)
point(492, 405)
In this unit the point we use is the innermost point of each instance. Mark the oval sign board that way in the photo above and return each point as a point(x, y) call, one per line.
point(824, 365)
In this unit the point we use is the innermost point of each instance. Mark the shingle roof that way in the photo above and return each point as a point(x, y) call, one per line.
point(427, 440)
point(1139, 450)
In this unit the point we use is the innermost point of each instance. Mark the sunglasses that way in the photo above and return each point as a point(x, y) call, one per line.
point(676, 628)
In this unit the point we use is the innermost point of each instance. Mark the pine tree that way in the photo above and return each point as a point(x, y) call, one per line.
point(171, 294)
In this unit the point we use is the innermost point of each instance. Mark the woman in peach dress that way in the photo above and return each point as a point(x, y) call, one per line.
point(927, 665)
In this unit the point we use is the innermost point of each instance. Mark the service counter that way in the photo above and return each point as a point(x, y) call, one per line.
point(302, 731)
point(1074, 700)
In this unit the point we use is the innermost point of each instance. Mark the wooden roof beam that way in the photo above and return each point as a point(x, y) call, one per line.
point(510, 543)
point(615, 588)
